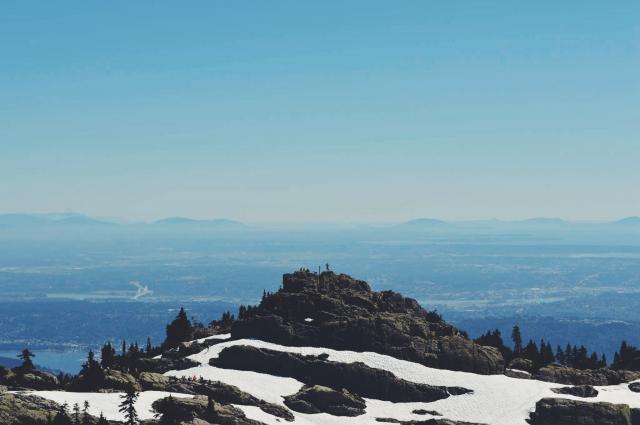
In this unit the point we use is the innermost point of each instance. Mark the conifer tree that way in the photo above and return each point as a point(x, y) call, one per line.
point(26, 356)
point(62, 417)
point(107, 355)
point(102, 420)
point(86, 418)
point(76, 414)
point(128, 408)
point(179, 330)
point(516, 337)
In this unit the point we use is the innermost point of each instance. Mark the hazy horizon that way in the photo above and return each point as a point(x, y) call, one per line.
point(307, 112)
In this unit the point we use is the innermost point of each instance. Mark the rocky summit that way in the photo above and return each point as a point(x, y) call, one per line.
point(337, 311)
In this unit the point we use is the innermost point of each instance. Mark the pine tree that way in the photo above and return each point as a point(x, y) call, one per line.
point(128, 408)
point(170, 415)
point(26, 356)
point(62, 417)
point(92, 371)
point(102, 420)
point(560, 356)
point(179, 330)
point(516, 337)
point(107, 355)
point(86, 418)
point(76, 414)
point(210, 412)
point(149, 347)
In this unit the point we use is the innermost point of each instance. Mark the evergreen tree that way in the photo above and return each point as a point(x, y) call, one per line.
point(76, 414)
point(26, 357)
point(102, 420)
point(170, 415)
point(179, 330)
point(92, 371)
point(62, 417)
point(86, 418)
point(516, 337)
point(530, 351)
point(560, 356)
point(149, 347)
point(128, 408)
point(210, 412)
point(107, 355)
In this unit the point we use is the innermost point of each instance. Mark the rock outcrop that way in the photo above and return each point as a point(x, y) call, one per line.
point(32, 379)
point(569, 376)
point(218, 391)
point(319, 399)
point(20, 409)
point(337, 311)
point(555, 411)
point(357, 378)
point(198, 410)
point(25, 409)
point(584, 391)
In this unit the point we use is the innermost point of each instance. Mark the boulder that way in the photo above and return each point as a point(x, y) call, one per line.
point(635, 387)
point(150, 381)
point(319, 399)
point(515, 373)
point(554, 411)
point(117, 380)
point(584, 391)
point(521, 364)
point(195, 411)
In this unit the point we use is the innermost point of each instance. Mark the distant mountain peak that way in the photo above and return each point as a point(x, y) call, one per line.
point(424, 222)
point(629, 221)
point(219, 222)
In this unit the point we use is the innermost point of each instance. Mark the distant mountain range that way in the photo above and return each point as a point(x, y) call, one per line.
point(75, 220)
point(23, 220)
point(432, 223)
point(221, 223)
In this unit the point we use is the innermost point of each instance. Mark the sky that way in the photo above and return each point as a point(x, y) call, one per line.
point(333, 111)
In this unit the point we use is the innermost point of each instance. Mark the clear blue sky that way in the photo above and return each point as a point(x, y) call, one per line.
point(354, 111)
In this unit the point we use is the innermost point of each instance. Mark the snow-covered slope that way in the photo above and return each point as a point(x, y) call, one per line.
point(496, 399)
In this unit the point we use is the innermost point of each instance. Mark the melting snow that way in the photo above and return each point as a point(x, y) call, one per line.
point(497, 399)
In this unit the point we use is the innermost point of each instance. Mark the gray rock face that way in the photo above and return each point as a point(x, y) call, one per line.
point(347, 315)
point(19, 409)
point(35, 380)
point(319, 399)
point(553, 411)
point(194, 411)
point(584, 391)
point(635, 387)
point(357, 377)
point(521, 364)
point(23, 409)
point(218, 391)
point(569, 376)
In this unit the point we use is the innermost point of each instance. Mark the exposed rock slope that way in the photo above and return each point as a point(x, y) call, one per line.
point(337, 311)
